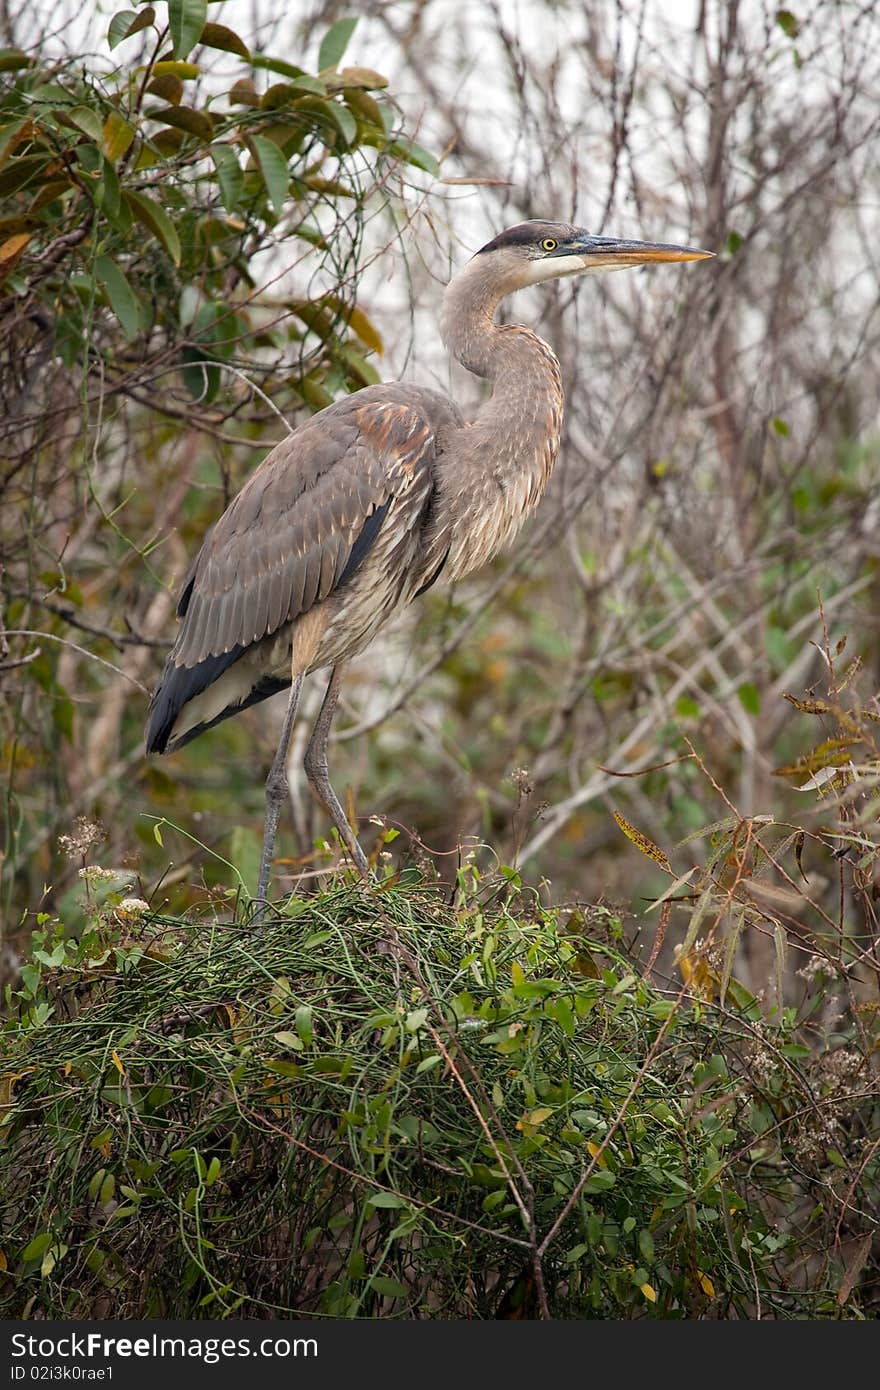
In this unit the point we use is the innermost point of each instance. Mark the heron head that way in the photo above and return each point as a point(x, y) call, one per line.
point(532, 252)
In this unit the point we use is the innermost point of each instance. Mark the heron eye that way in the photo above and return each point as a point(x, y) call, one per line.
point(549, 244)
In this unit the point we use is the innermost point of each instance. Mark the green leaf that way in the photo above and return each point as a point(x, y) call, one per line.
point(389, 1288)
point(38, 1246)
point(11, 59)
point(288, 70)
point(108, 197)
point(780, 426)
point(219, 36)
point(303, 1023)
point(599, 1181)
point(788, 23)
point(363, 371)
point(273, 167)
point(429, 1063)
point(335, 42)
point(283, 1068)
point(316, 939)
point(88, 121)
point(230, 176)
point(154, 217)
point(187, 19)
point(201, 377)
point(20, 171)
point(128, 22)
point(345, 122)
point(121, 296)
point(417, 155)
point(330, 113)
point(385, 1199)
point(749, 697)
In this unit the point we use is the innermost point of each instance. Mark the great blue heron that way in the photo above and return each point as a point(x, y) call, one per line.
point(366, 503)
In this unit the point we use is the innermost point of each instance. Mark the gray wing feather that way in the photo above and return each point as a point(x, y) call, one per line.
point(285, 540)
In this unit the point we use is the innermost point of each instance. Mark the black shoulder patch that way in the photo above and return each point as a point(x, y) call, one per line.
point(367, 535)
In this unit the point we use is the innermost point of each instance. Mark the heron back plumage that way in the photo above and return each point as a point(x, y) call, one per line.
point(344, 496)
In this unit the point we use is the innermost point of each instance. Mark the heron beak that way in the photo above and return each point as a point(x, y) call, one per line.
point(610, 253)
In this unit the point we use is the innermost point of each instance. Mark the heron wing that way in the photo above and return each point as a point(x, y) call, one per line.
point(304, 522)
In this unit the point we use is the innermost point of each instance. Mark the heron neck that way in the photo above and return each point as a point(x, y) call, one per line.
point(527, 384)
point(467, 318)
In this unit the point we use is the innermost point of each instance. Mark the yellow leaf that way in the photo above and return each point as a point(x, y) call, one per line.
point(706, 1284)
point(650, 1294)
point(3, 1263)
point(117, 137)
point(594, 1151)
point(13, 245)
point(642, 843)
point(517, 973)
point(699, 977)
point(7, 1084)
point(169, 68)
point(529, 1123)
point(114, 1057)
point(361, 326)
point(10, 251)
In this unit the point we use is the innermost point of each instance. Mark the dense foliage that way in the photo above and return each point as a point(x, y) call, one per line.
point(387, 1103)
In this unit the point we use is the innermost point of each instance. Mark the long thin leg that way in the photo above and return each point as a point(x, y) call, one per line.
point(277, 792)
point(319, 777)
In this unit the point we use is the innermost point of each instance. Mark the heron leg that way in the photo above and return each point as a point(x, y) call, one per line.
point(318, 775)
point(277, 792)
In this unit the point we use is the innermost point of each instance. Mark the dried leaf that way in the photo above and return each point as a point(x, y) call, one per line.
point(642, 843)
point(186, 118)
point(225, 39)
point(800, 840)
point(780, 944)
point(854, 1267)
point(11, 251)
point(730, 946)
point(819, 779)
